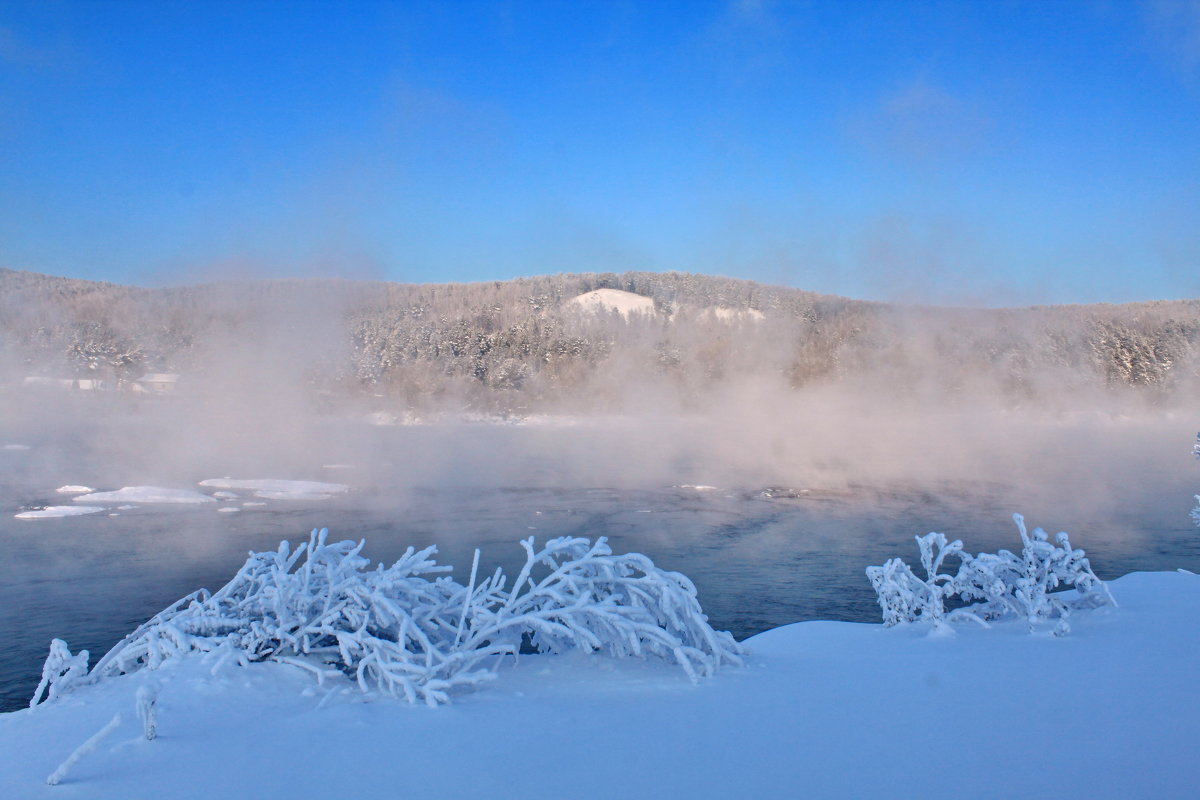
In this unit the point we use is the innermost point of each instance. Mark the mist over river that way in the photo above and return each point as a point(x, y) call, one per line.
point(770, 531)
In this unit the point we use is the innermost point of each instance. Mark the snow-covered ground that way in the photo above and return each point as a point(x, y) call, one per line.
point(607, 300)
point(822, 709)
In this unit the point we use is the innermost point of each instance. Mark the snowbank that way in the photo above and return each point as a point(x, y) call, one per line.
point(145, 494)
point(823, 709)
point(51, 512)
point(277, 489)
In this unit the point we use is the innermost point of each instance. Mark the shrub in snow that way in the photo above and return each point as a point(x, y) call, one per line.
point(906, 598)
point(409, 631)
point(60, 672)
point(1196, 510)
point(991, 585)
point(147, 703)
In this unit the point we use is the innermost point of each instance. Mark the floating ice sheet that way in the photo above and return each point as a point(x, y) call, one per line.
point(145, 494)
point(279, 489)
point(50, 512)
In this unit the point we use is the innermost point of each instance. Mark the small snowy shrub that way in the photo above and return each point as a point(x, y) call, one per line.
point(906, 598)
point(60, 672)
point(147, 704)
point(406, 633)
point(991, 585)
point(1196, 510)
point(576, 595)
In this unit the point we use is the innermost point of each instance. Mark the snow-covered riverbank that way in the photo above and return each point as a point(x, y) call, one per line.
point(822, 709)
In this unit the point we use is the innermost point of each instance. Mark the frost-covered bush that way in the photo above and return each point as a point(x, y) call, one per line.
point(906, 598)
point(1196, 510)
point(60, 672)
point(991, 586)
point(409, 631)
point(147, 704)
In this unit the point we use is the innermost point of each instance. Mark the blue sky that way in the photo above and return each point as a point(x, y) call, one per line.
point(993, 152)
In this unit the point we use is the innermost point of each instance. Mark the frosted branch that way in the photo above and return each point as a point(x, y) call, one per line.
point(991, 585)
point(409, 631)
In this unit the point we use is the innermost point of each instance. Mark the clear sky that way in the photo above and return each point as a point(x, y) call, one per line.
point(992, 152)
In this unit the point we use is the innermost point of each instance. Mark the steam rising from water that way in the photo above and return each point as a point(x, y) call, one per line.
point(854, 463)
point(757, 401)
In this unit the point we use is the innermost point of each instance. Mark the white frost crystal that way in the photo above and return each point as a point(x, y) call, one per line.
point(991, 585)
point(402, 632)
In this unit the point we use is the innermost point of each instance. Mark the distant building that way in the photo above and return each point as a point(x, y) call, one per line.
point(38, 382)
point(150, 383)
point(155, 383)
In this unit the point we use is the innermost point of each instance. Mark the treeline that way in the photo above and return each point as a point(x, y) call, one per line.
point(522, 345)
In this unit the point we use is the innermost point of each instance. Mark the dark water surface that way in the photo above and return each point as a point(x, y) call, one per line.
point(758, 560)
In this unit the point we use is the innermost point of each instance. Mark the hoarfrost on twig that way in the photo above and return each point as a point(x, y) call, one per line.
point(87, 747)
point(1196, 511)
point(410, 631)
point(147, 704)
point(60, 672)
point(991, 585)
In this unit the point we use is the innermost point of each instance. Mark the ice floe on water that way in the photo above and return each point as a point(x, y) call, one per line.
point(14, 447)
point(71, 488)
point(225, 495)
point(50, 512)
point(145, 494)
point(278, 489)
point(228, 509)
point(266, 495)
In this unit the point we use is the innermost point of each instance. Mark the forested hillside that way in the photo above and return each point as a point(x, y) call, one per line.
point(521, 346)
